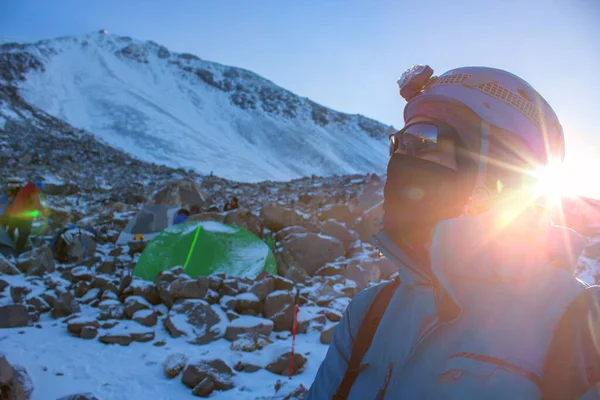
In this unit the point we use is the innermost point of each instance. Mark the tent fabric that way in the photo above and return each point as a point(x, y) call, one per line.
point(149, 221)
point(7, 246)
point(204, 248)
point(182, 192)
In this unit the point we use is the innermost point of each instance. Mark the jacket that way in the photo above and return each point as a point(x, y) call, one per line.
point(497, 315)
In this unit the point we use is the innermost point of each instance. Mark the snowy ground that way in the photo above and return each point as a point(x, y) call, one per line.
point(60, 364)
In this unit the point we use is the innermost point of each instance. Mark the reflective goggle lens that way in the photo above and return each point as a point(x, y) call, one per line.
point(414, 139)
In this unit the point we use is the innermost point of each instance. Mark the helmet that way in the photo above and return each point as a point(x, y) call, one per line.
point(510, 110)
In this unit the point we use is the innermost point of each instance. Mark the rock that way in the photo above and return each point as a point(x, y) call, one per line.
point(82, 273)
point(248, 304)
point(136, 247)
point(39, 304)
point(183, 288)
point(88, 332)
point(362, 272)
point(6, 372)
point(91, 295)
point(143, 288)
point(245, 367)
point(338, 212)
point(281, 365)
point(323, 294)
point(142, 336)
point(290, 230)
point(327, 334)
point(245, 219)
point(111, 309)
point(19, 387)
point(134, 304)
point(81, 288)
point(123, 339)
point(230, 287)
point(250, 342)
point(333, 315)
point(212, 297)
point(262, 288)
point(37, 262)
point(65, 305)
point(337, 230)
point(193, 318)
point(145, 317)
point(174, 364)
point(204, 388)
point(282, 283)
point(276, 217)
point(3, 285)
point(216, 369)
point(310, 251)
point(297, 394)
point(297, 274)
point(208, 216)
point(49, 298)
point(80, 396)
point(330, 270)
point(7, 267)
point(107, 267)
point(13, 316)
point(279, 308)
point(248, 324)
point(18, 293)
point(370, 223)
point(308, 318)
point(76, 325)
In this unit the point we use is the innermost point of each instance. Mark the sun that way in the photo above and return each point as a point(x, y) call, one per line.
point(553, 182)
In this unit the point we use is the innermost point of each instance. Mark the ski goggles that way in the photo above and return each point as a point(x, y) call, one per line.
point(420, 137)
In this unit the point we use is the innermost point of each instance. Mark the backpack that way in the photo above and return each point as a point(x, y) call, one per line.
point(364, 337)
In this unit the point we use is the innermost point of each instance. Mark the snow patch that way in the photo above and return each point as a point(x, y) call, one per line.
point(248, 321)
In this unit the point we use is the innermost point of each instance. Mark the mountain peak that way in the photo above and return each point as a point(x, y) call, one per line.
point(180, 110)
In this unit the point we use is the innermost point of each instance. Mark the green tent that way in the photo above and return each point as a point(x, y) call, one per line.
point(203, 248)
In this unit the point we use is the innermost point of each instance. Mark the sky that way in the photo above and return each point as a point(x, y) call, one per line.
point(347, 55)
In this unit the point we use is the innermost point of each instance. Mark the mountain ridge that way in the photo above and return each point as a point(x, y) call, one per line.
point(183, 111)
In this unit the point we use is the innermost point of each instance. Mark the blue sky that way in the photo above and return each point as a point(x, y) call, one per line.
point(348, 54)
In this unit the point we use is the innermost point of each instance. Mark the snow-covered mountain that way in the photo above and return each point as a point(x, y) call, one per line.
point(182, 111)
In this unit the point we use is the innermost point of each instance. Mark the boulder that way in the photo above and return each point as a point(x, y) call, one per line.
point(18, 293)
point(276, 217)
point(242, 366)
point(204, 388)
point(216, 370)
point(65, 305)
point(337, 230)
point(111, 309)
point(174, 364)
point(7, 267)
point(183, 288)
point(250, 342)
point(122, 338)
point(248, 324)
point(281, 365)
point(82, 273)
point(13, 316)
point(76, 325)
point(309, 251)
point(279, 308)
point(39, 304)
point(247, 303)
point(134, 304)
point(80, 396)
point(370, 223)
point(327, 334)
point(145, 289)
point(338, 212)
point(243, 218)
point(37, 262)
point(145, 317)
point(261, 289)
point(15, 383)
point(193, 318)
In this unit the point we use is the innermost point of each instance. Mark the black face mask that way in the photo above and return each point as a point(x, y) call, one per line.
point(417, 195)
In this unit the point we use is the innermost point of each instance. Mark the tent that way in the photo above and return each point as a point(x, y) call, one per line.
point(204, 248)
point(182, 192)
point(7, 246)
point(149, 221)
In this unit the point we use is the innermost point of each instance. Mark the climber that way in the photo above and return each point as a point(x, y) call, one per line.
point(485, 304)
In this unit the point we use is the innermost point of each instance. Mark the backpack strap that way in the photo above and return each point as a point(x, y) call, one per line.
point(364, 337)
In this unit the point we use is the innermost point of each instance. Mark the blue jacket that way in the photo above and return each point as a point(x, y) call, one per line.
point(498, 315)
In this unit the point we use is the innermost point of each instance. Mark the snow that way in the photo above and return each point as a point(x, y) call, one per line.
point(161, 113)
point(248, 321)
point(247, 296)
point(213, 226)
